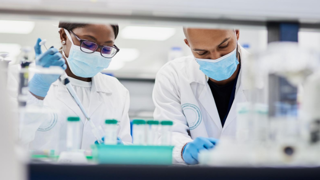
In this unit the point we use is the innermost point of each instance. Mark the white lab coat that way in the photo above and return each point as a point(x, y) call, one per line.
point(182, 94)
point(109, 99)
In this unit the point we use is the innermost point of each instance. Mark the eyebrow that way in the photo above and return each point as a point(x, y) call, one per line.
point(96, 39)
point(224, 41)
point(218, 45)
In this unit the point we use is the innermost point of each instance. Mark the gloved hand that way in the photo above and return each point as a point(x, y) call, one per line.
point(40, 83)
point(119, 141)
point(191, 150)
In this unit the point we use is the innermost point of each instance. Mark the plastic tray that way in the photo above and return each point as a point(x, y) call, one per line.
point(132, 154)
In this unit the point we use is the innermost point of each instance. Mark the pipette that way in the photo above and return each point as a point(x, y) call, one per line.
point(97, 131)
point(43, 42)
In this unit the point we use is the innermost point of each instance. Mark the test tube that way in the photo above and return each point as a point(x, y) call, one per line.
point(73, 133)
point(166, 132)
point(139, 132)
point(23, 83)
point(153, 130)
point(111, 133)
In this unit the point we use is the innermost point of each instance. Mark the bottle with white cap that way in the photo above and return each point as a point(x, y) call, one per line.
point(111, 132)
point(153, 131)
point(166, 132)
point(73, 133)
point(139, 132)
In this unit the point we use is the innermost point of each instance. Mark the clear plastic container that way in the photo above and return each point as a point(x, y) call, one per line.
point(153, 131)
point(111, 133)
point(166, 132)
point(73, 133)
point(23, 84)
point(139, 132)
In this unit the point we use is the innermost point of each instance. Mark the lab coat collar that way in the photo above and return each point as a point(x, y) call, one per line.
point(99, 84)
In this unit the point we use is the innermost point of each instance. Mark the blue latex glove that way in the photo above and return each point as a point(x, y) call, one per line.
point(119, 141)
point(191, 150)
point(40, 83)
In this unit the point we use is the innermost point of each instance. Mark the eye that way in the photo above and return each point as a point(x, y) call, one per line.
point(88, 44)
point(201, 53)
point(225, 46)
point(106, 50)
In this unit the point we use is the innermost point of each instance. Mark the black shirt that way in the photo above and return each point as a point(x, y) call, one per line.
point(222, 95)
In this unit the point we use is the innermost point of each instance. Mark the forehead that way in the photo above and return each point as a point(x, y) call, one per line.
point(211, 36)
point(100, 31)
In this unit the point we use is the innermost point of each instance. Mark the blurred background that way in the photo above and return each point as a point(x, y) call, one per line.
point(143, 51)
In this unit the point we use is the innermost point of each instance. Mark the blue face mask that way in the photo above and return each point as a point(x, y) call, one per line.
point(220, 69)
point(83, 64)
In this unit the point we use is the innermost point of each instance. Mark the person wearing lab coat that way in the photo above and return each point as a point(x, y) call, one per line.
point(200, 92)
point(86, 50)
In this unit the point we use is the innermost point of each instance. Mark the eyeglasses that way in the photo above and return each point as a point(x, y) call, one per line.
point(90, 47)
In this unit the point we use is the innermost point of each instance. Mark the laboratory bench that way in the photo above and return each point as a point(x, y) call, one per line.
point(133, 172)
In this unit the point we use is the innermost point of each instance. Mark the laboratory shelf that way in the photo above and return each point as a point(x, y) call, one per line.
point(132, 172)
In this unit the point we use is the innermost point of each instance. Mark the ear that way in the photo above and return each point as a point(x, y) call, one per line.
point(187, 42)
point(237, 33)
point(63, 36)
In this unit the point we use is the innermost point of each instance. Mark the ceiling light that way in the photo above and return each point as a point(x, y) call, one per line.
point(13, 50)
point(147, 33)
point(126, 55)
point(16, 27)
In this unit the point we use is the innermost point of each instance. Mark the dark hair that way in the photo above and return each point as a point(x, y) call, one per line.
point(72, 26)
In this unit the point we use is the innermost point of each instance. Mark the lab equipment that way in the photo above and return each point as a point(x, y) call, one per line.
point(4, 64)
point(24, 77)
point(73, 133)
point(132, 154)
point(310, 108)
point(40, 83)
point(228, 152)
point(96, 130)
point(175, 52)
point(43, 43)
point(220, 69)
point(72, 158)
point(192, 149)
point(252, 122)
point(111, 129)
point(11, 155)
point(166, 132)
point(270, 132)
point(152, 131)
point(23, 83)
point(244, 122)
point(139, 132)
point(3, 55)
point(119, 141)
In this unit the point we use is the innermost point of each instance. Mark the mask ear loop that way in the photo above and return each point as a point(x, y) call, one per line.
point(238, 54)
point(69, 37)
